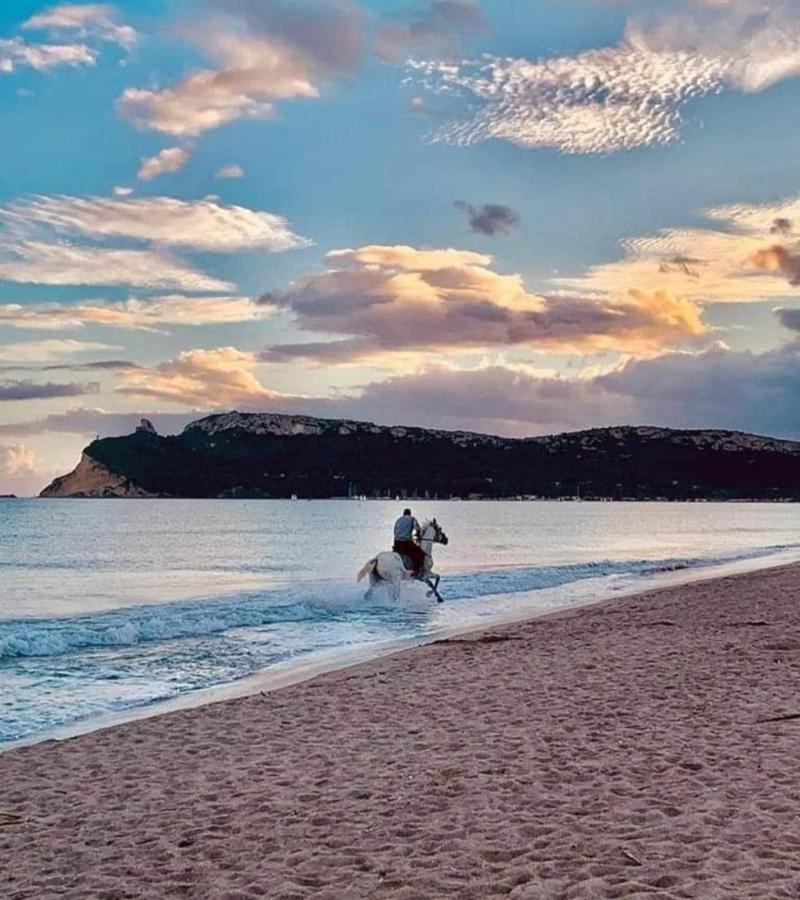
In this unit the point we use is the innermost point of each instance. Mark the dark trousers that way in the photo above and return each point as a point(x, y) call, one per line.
point(412, 550)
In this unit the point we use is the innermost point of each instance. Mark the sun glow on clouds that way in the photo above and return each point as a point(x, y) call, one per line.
point(756, 258)
point(224, 376)
point(253, 74)
point(390, 299)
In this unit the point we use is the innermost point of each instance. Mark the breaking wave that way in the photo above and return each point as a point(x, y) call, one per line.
point(304, 603)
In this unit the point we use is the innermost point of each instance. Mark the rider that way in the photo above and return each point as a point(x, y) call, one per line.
point(406, 540)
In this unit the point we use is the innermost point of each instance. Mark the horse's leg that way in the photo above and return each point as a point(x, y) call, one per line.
point(374, 581)
point(433, 584)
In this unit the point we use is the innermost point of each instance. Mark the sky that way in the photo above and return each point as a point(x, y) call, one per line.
point(519, 217)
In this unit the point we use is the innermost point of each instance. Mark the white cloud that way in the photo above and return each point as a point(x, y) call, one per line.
point(618, 98)
point(97, 20)
point(600, 101)
point(232, 171)
point(16, 52)
point(200, 224)
point(122, 191)
point(171, 159)
point(48, 350)
point(756, 43)
point(34, 262)
point(149, 314)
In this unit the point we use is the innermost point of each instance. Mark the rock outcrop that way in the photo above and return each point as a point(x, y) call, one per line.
point(92, 479)
point(146, 426)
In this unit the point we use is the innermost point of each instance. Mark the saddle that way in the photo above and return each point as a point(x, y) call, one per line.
point(408, 562)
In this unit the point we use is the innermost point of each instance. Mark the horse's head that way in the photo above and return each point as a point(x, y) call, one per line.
point(433, 531)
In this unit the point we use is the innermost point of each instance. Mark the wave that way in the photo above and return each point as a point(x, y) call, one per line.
point(305, 602)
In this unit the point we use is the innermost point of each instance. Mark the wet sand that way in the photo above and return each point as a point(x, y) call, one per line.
point(646, 747)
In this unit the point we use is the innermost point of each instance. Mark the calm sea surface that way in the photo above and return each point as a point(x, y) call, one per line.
point(109, 605)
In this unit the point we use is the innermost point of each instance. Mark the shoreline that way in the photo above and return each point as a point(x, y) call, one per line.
point(632, 748)
point(574, 596)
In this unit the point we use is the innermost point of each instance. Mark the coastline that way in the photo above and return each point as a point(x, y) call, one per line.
point(644, 745)
point(569, 598)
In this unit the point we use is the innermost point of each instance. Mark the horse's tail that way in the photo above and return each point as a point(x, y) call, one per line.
point(368, 569)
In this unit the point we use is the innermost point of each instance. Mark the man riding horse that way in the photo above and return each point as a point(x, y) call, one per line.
point(406, 541)
point(413, 546)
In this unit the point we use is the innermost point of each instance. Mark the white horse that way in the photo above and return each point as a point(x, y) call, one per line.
point(389, 568)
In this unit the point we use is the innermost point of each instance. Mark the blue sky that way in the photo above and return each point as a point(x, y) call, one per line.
point(509, 217)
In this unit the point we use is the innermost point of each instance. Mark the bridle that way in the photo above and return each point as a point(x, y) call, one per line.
point(439, 537)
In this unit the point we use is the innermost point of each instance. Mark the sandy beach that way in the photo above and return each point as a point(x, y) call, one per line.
point(645, 747)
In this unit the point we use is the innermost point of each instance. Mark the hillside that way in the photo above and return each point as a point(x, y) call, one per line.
point(269, 455)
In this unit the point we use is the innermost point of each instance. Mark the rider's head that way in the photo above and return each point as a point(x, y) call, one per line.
point(406, 512)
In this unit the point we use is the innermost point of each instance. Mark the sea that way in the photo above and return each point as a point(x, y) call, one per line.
point(111, 609)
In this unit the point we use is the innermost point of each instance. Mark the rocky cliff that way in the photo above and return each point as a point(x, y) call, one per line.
point(270, 455)
point(92, 479)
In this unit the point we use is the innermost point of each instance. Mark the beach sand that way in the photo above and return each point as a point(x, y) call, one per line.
point(632, 749)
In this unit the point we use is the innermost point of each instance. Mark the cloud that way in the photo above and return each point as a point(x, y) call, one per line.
point(31, 390)
point(85, 21)
point(19, 469)
point(223, 376)
point(789, 318)
point(438, 28)
point(390, 299)
point(35, 262)
point(755, 43)
point(95, 421)
point(230, 172)
point(45, 351)
point(41, 57)
point(328, 33)
point(618, 98)
point(122, 191)
point(778, 259)
point(748, 258)
point(264, 52)
point(88, 20)
point(171, 159)
point(719, 387)
point(716, 388)
point(491, 218)
point(17, 460)
point(198, 224)
point(100, 365)
point(148, 314)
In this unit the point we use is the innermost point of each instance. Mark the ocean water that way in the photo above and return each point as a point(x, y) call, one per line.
point(108, 606)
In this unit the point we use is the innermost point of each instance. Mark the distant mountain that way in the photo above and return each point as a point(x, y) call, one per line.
point(269, 455)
